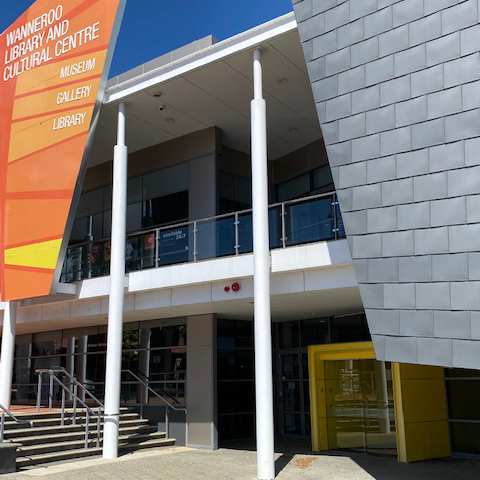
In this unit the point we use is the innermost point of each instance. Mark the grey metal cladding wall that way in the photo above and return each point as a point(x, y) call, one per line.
point(396, 83)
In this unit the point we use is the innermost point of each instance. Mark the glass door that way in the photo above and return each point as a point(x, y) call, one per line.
point(292, 390)
point(359, 398)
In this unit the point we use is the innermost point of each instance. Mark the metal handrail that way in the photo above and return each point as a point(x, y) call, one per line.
point(150, 389)
point(74, 381)
point(160, 388)
point(175, 408)
point(206, 219)
point(66, 390)
point(13, 417)
point(92, 268)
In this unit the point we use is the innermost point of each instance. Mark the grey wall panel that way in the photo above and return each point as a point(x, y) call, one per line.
point(397, 87)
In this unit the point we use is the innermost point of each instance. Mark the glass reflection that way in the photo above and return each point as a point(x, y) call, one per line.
point(360, 408)
point(158, 353)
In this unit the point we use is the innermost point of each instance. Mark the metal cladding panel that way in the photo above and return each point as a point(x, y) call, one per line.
point(54, 61)
point(397, 88)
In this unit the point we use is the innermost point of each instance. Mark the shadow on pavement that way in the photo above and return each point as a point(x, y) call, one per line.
point(380, 467)
point(281, 462)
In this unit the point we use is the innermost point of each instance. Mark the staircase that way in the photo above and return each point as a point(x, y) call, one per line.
point(50, 441)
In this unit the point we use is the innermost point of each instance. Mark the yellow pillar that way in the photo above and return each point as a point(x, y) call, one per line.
point(420, 412)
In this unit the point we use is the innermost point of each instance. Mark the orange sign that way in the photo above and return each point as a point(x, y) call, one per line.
point(53, 65)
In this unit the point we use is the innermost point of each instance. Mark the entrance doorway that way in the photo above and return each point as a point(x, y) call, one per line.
point(292, 394)
point(352, 399)
point(360, 405)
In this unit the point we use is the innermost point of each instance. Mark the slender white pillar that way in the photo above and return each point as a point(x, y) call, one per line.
point(261, 279)
point(8, 350)
point(117, 287)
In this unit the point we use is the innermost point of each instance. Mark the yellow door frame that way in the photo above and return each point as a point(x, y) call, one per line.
point(421, 417)
point(317, 355)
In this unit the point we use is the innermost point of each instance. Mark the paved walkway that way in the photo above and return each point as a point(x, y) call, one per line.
point(179, 463)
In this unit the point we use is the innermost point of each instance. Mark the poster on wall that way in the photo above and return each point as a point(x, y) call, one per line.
point(54, 62)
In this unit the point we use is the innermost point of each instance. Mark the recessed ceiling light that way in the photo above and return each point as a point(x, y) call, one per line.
point(293, 129)
point(170, 120)
point(157, 94)
point(283, 81)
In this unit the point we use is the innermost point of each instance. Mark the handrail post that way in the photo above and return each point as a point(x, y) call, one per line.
point(75, 391)
point(195, 240)
point(335, 226)
point(98, 427)
point(86, 427)
point(39, 391)
point(284, 230)
point(50, 394)
point(2, 427)
point(157, 250)
point(236, 223)
point(167, 422)
point(63, 408)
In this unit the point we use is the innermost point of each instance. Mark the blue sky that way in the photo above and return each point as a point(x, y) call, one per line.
point(153, 27)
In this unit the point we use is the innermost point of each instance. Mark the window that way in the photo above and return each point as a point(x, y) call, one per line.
point(155, 198)
point(314, 182)
point(165, 210)
point(234, 193)
point(235, 385)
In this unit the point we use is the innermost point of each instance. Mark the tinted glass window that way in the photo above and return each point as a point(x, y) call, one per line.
point(164, 210)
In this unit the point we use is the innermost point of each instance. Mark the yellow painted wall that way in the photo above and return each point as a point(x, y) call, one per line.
point(420, 412)
point(420, 403)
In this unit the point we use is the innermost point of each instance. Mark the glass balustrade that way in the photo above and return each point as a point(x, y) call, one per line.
point(295, 222)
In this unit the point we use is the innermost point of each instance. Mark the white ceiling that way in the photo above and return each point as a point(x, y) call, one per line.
point(219, 94)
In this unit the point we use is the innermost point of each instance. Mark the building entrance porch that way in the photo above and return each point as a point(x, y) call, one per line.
point(360, 405)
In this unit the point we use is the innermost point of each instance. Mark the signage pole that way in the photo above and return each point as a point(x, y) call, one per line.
point(8, 349)
point(117, 288)
point(261, 280)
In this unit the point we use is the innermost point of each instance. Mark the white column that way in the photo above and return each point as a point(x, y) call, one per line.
point(8, 350)
point(117, 287)
point(261, 253)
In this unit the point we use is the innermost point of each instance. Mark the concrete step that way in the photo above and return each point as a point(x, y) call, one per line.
point(57, 456)
point(138, 444)
point(129, 445)
point(56, 413)
point(45, 422)
point(46, 430)
point(60, 446)
point(77, 435)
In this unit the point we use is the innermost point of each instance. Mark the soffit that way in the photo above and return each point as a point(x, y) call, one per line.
point(219, 94)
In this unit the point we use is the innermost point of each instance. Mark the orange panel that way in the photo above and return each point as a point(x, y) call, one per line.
point(31, 135)
point(56, 99)
point(49, 75)
point(48, 91)
point(27, 221)
point(42, 171)
point(27, 283)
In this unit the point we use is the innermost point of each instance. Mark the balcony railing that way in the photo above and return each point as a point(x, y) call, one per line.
point(306, 220)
